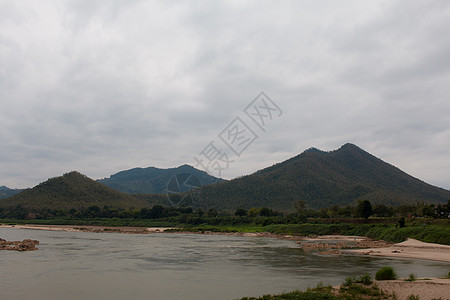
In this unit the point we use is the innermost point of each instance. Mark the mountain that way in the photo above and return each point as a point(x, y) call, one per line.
point(6, 192)
point(322, 179)
point(157, 181)
point(72, 190)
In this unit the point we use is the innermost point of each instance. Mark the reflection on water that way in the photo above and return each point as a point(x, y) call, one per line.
point(81, 265)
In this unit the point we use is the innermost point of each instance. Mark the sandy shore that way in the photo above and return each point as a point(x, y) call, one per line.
point(90, 228)
point(431, 288)
point(409, 249)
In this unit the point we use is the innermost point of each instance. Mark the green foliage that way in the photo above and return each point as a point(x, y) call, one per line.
point(385, 273)
point(365, 209)
point(413, 297)
point(154, 180)
point(412, 277)
point(323, 179)
point(352, 291)
point(72, 190)
point(365, 279)
point(240, 212)
point(349, 281)
point(6, 192)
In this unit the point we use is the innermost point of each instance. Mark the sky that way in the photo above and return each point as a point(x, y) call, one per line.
point(105, 86)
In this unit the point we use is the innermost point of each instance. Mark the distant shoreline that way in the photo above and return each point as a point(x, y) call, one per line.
point(411, 248)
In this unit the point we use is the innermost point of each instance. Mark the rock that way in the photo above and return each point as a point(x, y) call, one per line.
point(25, 245)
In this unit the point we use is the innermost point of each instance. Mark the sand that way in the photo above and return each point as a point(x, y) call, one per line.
point(434, 288)
point(90, 228)
point(410, 248)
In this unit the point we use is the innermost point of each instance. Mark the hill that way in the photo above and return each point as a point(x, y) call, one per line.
point(6, 192)
point(72, 190)
point(322, 179)
point(156, 181)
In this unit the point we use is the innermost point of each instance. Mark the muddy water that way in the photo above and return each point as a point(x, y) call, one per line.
point(83, 265)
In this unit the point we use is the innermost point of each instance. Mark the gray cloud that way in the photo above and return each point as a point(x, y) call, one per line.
point(108, 85)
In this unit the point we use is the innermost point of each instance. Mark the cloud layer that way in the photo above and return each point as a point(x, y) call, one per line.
point(104, 86)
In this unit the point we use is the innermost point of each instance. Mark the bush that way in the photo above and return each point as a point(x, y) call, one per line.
point(412, 277)
point(349, 281)
point(365, 279)
point(401, 222)
point(413, 297)
point(385, 273)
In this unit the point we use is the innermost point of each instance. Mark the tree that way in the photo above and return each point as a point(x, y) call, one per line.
point(265, 212)
point(300, 207)
point(365, 209)
point(212, 212)
point(157, 211)
point(381, 210)
point(240, 212)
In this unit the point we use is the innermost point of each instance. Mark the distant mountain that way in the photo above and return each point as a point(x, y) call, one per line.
point(72, 190)
point(157, 181)
point(6, 192)
point(322, 179)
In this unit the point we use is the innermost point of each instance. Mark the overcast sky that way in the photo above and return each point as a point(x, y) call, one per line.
point(104, 86)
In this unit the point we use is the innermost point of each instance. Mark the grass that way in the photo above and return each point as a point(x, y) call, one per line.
point(412, 277)
point(349, 290)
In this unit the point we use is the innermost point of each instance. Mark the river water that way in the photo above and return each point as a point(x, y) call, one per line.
point(84, 265)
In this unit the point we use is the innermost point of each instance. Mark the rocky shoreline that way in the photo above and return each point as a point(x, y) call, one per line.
point(359, 243)
point(25, 245)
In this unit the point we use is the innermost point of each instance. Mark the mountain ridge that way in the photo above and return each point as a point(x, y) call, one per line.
point(6, 192)
point(71, 190)
point(152, 180)
point(338, 177)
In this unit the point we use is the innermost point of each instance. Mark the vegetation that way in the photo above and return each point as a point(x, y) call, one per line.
point(155, 181)
point(351, 289)
point(385, 273)
point(75, 199)
point(412, 277)
point(323, 179)
point(72, 190)
point(365, 209)
point(6, 192)
point(364, 279)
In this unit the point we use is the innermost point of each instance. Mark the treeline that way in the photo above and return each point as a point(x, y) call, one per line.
point(363, 209)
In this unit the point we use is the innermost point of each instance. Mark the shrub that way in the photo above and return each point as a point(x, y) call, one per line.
point(401, 222)
point(413, 297)
point(385, 273)
point(412, 277)
point(365, 279)
point(349, 281)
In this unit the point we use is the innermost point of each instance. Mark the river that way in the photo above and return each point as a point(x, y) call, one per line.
point(84, 265)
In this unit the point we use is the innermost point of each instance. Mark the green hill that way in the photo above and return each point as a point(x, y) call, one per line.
point(6, 192)
point(322, 179)
point(72, 190)
point(154, 180)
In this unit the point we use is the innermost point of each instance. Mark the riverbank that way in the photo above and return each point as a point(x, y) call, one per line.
point(91, 228)
point(422, 288)
point(408, 249)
